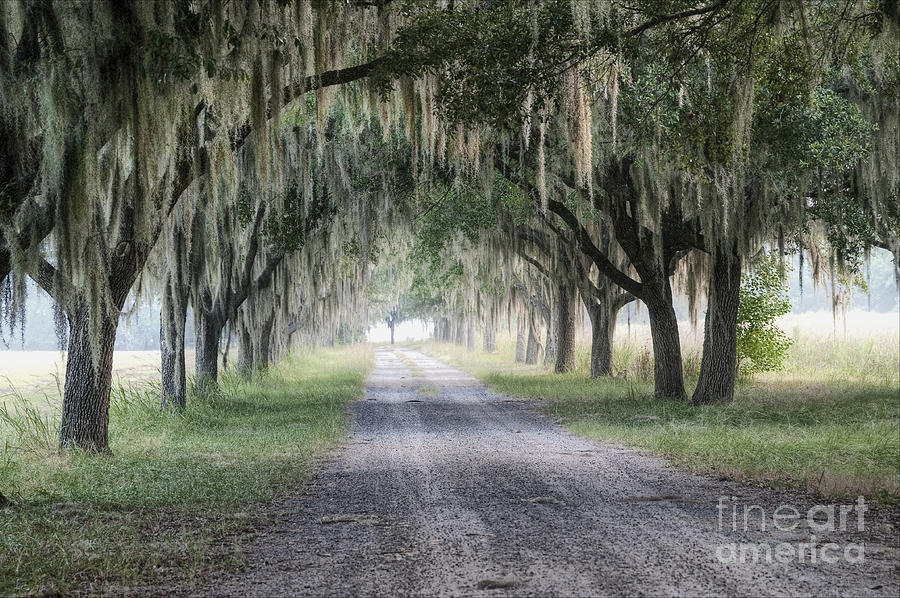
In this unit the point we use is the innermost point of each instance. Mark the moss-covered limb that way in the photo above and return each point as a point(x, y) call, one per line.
point(26, 231)
point(582, 235)
point(160, 118)
point(245, 279)
point(586, 244)
point(52, 283)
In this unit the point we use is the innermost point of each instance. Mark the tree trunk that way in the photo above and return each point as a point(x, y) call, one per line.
point(603, 329)
point(263, 356)
point(391, 325)
point(226, 332)
point(85, 409)
point(435, 332)
point(718, 367)
point(460, 338)
point(171, 347)
point(445, 329)
point(470, 335)
point(533, 348)
point(490, 332)
point(521, 332)
point(550, 322)
point(209, 330)
point(173, 317)
point(490, 340)
point(668, 379)
point(567, 307)
point(550, 350)
point(245, 351)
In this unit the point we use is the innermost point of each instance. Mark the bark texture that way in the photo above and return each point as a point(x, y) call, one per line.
point(173, 371)
point(566, 311)
point(603, 328)
point(603, 305)
point(668, 378)
point(245, 351)
point(718, 367)
point(533, 348)
point(85, 411)
point(209, 330)
point(490, 330)
point(490, 338)
point(263, 354)
point(460, 330)
point(171, 347)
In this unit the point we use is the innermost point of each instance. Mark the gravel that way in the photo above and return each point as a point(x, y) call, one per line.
point(456, 491)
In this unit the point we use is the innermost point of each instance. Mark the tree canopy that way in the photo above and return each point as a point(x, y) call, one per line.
point(257, 161)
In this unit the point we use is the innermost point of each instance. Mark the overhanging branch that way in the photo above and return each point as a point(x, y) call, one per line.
point(587, 246)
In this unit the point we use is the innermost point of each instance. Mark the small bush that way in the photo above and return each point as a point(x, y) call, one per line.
point(762, 346)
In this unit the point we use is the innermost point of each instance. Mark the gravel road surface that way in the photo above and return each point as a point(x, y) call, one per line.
point(444, 489)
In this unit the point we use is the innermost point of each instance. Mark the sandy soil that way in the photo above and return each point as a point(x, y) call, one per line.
point(445, 489)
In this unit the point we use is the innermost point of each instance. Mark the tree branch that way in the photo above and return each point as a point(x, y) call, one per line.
point(587, 246)
point(540, 267)
point(51, 282)
point(636, 31)
point(253, 248)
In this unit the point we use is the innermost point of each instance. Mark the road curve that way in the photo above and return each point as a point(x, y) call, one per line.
point(445, 489)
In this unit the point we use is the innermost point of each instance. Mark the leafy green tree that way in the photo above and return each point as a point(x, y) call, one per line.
point(761, 345)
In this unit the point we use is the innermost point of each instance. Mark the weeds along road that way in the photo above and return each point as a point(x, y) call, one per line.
point(446, 489)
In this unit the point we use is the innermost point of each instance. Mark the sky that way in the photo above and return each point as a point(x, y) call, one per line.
point(414, 330)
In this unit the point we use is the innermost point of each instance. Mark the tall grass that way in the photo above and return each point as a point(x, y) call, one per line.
point(176, 482)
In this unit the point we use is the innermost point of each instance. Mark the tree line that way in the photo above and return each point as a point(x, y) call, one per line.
point(255, 161)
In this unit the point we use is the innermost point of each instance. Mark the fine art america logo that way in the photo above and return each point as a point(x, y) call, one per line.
point(818, 519)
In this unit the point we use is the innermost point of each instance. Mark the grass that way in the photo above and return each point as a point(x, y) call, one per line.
point(428, 391)
point(41, 373)
point(414, 368)
point(828, 424)
point(176, 485)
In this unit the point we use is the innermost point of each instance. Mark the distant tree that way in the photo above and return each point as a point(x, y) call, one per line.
point(389, 285)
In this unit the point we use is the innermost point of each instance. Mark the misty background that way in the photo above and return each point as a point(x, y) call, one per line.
point(139, 329)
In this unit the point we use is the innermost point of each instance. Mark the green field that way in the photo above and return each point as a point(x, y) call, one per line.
point(176, 484)
point(829, 423)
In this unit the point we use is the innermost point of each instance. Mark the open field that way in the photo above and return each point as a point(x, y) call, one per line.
point(175, 484)
point(829, 423)
point(41, 374)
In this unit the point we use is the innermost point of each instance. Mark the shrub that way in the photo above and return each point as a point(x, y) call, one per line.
point(762, 346)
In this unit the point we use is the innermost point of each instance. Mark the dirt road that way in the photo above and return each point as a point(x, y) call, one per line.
point(446, 489)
